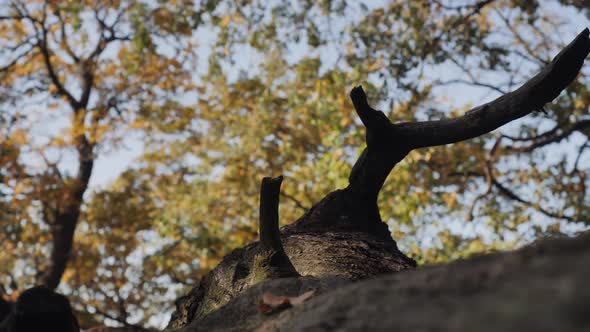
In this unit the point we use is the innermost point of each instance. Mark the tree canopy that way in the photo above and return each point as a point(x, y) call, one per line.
point(221, 93)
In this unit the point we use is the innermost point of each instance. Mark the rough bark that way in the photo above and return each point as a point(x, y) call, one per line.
point(542, 287)
point(351, 256)
point(343, 234)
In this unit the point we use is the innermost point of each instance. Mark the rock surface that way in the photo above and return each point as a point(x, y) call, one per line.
point(542, 287)
point(348, 255)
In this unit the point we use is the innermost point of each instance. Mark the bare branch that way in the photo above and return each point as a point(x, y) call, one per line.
point(472, 83)
point(51, 165)
point(507, 193)
point(535, 93)
point(15, 61)
point(552, 136)
point(533, 138)
point(64, 38)
point(461, 19)
point(581, 150)
point(520, 40)
point(510, 194)
point(104, 39)
point(488, 177)
point(295, 201)
point(46, 53)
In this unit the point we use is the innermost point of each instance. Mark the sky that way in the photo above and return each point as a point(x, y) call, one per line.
point(109, 165)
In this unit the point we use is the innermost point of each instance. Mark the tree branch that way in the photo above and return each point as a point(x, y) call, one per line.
point(295, 201)
point(64, 37)
point(388, 143)
point(504, 191)
point(104, 40)
point(43, 47)
point(269, 213)
point(66, 218)
point(541, 89)
point(584, 146)
point(510, 194)
point(553, 136)
point(42, 44)
point(271, 261)
point(376, 161)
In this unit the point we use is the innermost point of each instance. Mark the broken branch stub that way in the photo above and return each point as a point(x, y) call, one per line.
point(270, 190)
point(271, 261)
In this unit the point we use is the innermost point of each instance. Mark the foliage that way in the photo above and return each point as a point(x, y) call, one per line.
point(272, 99)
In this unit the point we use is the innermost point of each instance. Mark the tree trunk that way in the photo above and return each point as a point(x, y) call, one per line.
point(64, 222)
point(343, 235)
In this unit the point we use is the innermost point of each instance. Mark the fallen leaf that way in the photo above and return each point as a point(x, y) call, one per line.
point(298, 300)
point(270, 302)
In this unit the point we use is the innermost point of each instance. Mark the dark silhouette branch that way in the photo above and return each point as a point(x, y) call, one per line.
point(46, 53)
point(383, 150)
point(553, 136)
point(269, 213)
point(388, 143)
point(272, 261)
point(584, 146)
point(64, 37)
point(508, 193)
point(539, 90)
